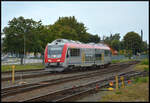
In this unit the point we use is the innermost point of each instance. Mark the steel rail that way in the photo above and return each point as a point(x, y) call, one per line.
point(18, 89)
point(7, 72)
point(70, 93)
point(35, 74)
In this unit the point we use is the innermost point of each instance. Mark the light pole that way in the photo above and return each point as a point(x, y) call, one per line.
point(24, 46)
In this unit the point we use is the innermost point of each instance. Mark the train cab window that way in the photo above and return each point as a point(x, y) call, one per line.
point(55, 51)
point(74, 52)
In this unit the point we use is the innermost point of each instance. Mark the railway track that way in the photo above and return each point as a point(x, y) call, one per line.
point(29, 74)
point(64, 95)
point(24, 88)
point(70, 94)
point(8, 72)
point(33, 74)
point(27, 87)
point(25, 74)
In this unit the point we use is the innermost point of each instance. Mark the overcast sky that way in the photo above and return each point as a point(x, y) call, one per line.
point(100, 18)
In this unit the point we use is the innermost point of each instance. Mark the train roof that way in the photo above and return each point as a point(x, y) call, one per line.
point(77, 44)
point(74, 45)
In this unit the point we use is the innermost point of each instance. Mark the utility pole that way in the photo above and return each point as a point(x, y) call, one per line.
point(141, 34)
point(24, 47)
point(141, 40)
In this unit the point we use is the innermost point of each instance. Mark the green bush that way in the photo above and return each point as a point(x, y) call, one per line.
point(146, 69)
point(118, 92)
point(145, 62)
point(121, 60)
point(141, 80)
point(21, 67)
point(115, 61)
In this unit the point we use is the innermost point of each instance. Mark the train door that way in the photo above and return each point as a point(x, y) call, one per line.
point(95, 57)
point(68, 57)
point(73, 58)
point(103, 58)
point(83, 56)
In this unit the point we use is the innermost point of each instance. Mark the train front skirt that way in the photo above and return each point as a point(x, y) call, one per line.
point(59, 69)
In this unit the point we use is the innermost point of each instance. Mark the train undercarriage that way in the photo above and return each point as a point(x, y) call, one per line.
point(73, 67)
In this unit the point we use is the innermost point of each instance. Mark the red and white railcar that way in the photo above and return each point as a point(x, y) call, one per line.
point(63, 54)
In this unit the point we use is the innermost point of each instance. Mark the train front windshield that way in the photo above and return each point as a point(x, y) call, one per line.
point(55, 51)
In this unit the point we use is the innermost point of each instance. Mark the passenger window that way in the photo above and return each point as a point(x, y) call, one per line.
point(74, 52)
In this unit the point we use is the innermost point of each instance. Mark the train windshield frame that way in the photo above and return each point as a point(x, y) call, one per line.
point(55, 51)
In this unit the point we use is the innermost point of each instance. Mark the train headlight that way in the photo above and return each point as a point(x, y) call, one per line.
point(58, 60)
point(49, 60)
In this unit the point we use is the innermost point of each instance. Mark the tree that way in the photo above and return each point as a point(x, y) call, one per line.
point(94, 38)
point(70, 28)
point(144, 47)
point(132, 41)
point(115, 44)
point(122, 45)
point(116, 36)
point(21, 29)
point(113, 41)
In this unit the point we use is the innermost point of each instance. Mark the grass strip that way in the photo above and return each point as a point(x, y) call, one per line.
point(22, 67)
point(138, 91)
point(122, 60)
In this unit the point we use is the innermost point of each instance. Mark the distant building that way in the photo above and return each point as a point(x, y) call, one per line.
point(114, 52)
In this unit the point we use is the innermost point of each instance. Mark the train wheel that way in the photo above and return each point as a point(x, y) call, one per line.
point(51, 71)
point(103, 67)
point(65, 70)
point(81, 68)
